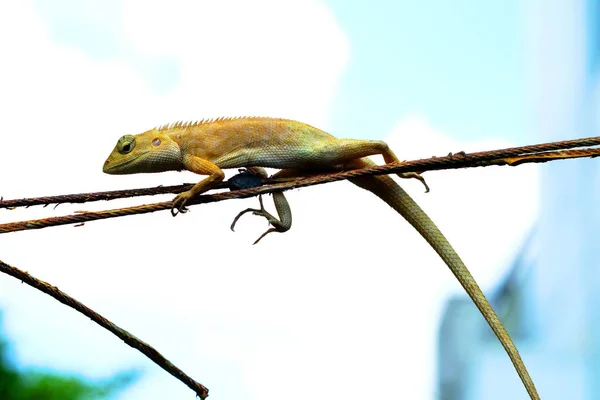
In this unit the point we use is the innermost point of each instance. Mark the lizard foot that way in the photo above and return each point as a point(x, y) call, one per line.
point(262, 213)
point(179, 203)
point(408, 175)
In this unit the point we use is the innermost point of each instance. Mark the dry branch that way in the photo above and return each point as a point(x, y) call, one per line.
point(122, 334)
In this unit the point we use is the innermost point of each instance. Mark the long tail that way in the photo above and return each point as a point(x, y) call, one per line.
point(389, 191)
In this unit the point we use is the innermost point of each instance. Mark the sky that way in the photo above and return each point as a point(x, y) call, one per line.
point(462, 62)
point(345, 304)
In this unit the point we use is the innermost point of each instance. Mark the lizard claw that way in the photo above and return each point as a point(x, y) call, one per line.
point(264, 234)
point(235, 220)
point(408, 175)
point(179, 203)
point(178, 210)
point(260, 212)
point(254, 211)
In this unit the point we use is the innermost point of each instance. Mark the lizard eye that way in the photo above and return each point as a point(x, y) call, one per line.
point(126, 144)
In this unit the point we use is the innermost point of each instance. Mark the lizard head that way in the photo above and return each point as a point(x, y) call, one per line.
point(151, 151)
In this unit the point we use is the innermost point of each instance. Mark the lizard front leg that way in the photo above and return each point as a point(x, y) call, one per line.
point(202, 167)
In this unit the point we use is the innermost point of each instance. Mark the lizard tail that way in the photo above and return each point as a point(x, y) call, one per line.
point(389, 191)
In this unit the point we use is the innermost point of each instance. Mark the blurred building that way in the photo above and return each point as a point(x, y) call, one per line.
point(550, 299)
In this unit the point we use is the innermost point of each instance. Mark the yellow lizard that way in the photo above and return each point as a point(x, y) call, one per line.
point(207, 147)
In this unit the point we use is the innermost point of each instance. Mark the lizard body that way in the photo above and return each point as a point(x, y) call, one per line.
point(207, 147)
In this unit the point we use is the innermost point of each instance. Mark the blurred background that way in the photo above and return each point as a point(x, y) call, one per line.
point(351, 303)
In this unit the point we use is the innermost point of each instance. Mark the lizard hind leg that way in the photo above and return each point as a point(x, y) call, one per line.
point(283, 210)
point(353, 149)
point(284, 223)
point(389, 157)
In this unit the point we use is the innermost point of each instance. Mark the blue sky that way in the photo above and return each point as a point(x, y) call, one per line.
point(427, 79)
point(462, 63)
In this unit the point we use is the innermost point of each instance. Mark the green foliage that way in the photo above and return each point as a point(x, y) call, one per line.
point(41, 385)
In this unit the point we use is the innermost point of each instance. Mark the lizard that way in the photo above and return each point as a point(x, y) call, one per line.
point(208, 146)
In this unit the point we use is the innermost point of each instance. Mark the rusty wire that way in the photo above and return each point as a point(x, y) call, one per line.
point(86, 197)
point(511, 156)
point(122, 334)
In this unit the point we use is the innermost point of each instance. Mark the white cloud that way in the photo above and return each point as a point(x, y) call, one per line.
point(345, 304)
point(245, 58)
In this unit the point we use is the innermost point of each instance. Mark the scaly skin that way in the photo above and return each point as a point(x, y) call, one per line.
point(208, 147)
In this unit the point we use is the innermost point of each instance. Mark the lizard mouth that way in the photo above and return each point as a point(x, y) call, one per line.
point(116, 168)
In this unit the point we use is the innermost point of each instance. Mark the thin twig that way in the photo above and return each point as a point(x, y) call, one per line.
point(127, 337)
